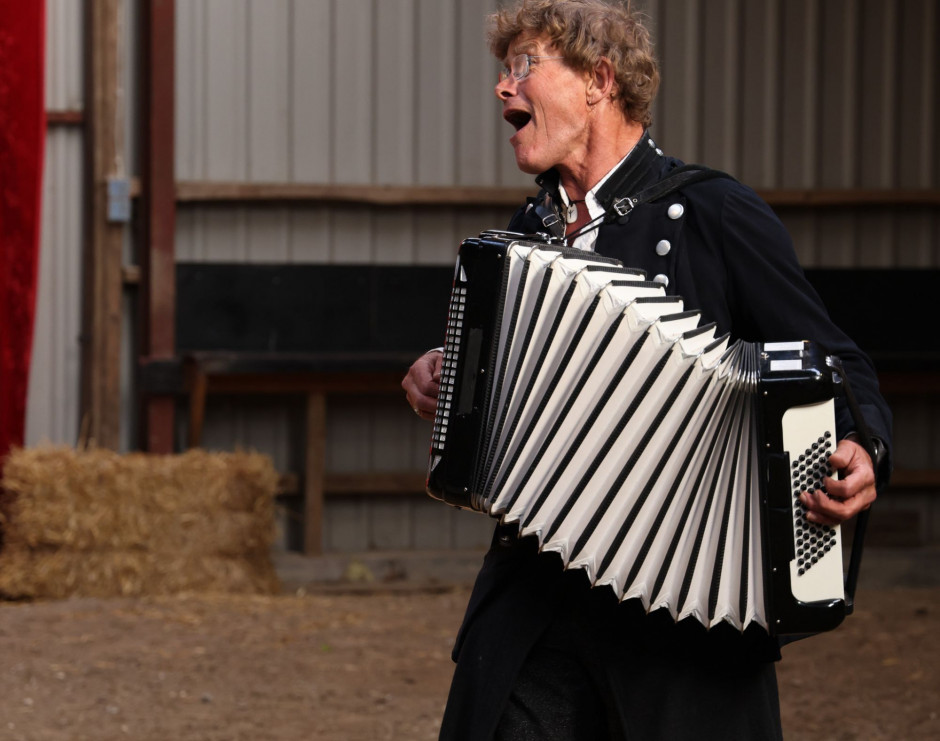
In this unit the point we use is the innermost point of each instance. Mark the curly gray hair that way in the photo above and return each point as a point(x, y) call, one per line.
point(584, 31)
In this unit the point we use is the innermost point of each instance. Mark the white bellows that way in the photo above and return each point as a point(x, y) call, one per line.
point(621, 434)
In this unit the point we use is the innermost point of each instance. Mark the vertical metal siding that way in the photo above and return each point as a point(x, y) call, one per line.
point(53, 403)
point(189, 86)
point(759, 124)
point(268, 82)
point(354, 65)
point(53, 406)
point(480, 129)
point(918, 100)
point(801, 94)
point(782, 93)
point(395, 60)
point(392, 92)
point(677, 46)
point(226, 96)
point(311, 146)
point(64, 38)
point(811, 94)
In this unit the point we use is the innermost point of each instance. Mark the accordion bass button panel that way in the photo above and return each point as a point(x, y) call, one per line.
point(806, 581)
point(816, 570)
point(808, 471)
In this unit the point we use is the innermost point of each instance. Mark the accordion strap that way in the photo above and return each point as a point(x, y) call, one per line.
point(861, 520)
point(617, 209)
point(679, 178)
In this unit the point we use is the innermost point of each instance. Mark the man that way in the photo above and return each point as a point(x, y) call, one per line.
point(541, 655)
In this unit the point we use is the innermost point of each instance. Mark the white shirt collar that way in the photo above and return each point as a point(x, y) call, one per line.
point(587, 240)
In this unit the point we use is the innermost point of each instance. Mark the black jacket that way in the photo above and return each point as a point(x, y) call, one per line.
point(730, 257)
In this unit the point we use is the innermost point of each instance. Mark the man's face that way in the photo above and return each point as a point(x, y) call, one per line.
point(548, 109)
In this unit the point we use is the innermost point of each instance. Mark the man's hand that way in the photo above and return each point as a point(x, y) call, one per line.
point(848, 496)
point(422, 384)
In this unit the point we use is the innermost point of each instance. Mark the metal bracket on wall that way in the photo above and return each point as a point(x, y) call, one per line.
point(119, 200)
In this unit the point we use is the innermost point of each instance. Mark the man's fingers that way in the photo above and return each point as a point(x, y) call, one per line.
point(422, 384)
point(828, 510)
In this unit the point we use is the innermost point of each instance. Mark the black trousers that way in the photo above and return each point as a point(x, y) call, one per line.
point(543, 656)
point(569, 691)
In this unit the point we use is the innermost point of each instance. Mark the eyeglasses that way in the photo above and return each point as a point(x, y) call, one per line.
point(519, 66)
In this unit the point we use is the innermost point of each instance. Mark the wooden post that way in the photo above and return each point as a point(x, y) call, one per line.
point(104, 239)
point(314, 473)
point(198, 385)
point(158, 213)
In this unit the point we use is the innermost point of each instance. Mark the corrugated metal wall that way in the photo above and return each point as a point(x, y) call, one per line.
point(361, 92)
point(349, 93)
point(397, 92)
point(826, 94)
point(811, 94)
point(53, 407)
point(54, 398)
point(781, 93)
point(795, 94)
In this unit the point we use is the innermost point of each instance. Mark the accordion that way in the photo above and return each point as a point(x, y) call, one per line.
point(581, 403)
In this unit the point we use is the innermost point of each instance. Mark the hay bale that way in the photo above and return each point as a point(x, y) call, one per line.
point(95, 523)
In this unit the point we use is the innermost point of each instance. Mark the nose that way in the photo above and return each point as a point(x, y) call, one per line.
point(505, 88)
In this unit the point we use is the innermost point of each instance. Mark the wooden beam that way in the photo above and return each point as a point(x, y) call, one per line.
point(910, 383)
point(375, 195)
point(387, 482)
point(104, 239)
point(157, 278)
point(303, 383)
point(65, 118)
point(380, 484)
point(851, 197)
point(407, 195)
point(314, 473)
point(130, 275)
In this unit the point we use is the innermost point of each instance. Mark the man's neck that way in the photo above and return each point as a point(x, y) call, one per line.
point(610, 146)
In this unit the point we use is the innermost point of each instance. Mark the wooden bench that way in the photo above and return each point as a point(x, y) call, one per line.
point(312, 331)
point(313, 377)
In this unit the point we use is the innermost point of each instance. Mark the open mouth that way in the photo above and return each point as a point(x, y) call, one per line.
point(517, 119)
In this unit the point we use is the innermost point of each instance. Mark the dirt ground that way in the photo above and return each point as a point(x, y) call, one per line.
point(375, 665)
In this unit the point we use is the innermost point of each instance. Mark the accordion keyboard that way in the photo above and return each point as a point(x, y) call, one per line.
point(816, 570)
point(455, 320)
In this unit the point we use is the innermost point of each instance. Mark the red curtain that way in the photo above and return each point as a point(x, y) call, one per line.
point(22, 135)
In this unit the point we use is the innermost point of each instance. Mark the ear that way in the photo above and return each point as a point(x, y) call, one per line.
point(601, 81)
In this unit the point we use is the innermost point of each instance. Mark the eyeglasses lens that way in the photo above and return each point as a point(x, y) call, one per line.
point(518, 68)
